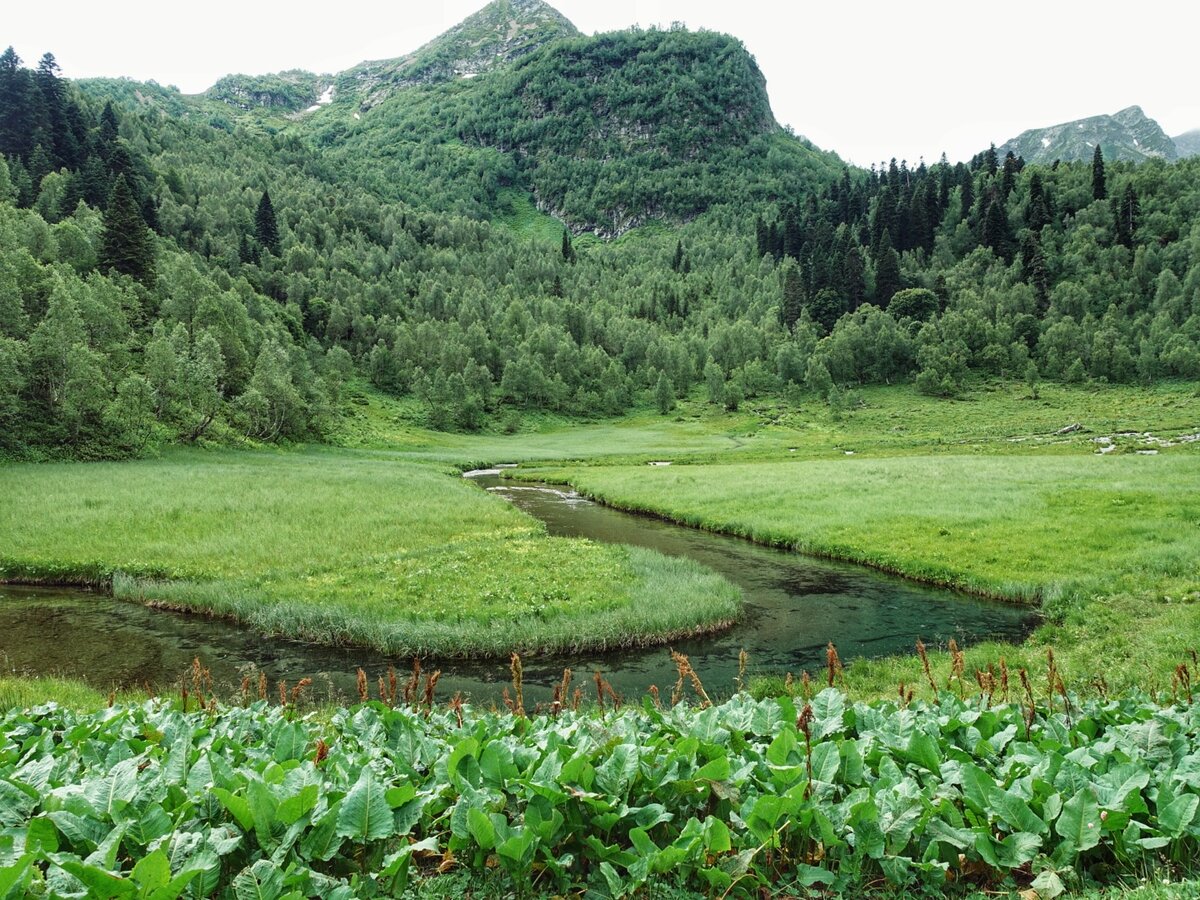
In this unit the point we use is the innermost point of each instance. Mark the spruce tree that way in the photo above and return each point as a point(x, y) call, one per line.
point(793, 295)
point(127, 245)
point(1099, 185)
point(1127, 215)
point(266, 228)
point(888, 279)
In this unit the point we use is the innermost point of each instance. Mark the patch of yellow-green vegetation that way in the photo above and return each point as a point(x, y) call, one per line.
point(24, 692)
point(985, 497)
point(341, 547)
point(516, 210)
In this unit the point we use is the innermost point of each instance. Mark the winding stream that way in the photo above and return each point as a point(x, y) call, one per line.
point(794, 605)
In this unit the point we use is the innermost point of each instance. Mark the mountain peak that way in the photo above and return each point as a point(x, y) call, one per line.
point(502, 31)
point(1128, 134)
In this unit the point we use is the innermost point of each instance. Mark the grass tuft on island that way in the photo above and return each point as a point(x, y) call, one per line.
point(346, 548)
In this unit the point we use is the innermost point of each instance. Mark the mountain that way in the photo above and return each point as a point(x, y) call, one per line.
point(1129, 134)
point(501, 32)
point(1188, 143)
point(605, 133)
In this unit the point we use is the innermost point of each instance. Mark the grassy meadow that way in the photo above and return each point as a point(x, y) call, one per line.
point(982, 494)
point(343, 548)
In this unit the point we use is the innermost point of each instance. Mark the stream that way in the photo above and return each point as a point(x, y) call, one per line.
point(794, 604)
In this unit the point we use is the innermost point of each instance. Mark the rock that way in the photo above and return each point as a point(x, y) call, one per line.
point(1070, 429)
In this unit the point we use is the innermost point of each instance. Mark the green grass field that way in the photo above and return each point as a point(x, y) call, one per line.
point(342, 547)
point(982, 494)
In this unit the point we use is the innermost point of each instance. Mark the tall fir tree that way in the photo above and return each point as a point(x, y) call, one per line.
point(127, 246)
point(1126, 217)
point(793, 295)
point(266, 227)
point(1099, 183)
point(888, 279)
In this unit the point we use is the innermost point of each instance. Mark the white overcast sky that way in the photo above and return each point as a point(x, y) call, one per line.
point(864, 78)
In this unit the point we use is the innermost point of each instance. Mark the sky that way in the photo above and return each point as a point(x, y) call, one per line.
point(869, 80)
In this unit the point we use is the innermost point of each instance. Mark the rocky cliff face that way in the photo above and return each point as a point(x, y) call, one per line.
point(1188, 143)
point(501, 32)
point(1129, 134)
point(286, 92)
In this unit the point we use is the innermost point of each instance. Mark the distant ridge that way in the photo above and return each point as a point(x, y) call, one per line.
point(1129, 134)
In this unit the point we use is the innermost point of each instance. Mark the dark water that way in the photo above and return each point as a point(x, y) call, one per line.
point(794, 604)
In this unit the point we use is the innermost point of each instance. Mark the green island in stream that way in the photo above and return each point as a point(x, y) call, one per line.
point(279, 357)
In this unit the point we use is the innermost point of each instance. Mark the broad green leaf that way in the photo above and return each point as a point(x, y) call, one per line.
point(481, 828)
point(101, 884)
point(365, 814)
point(261, 881)
point(41, 837)
point(1048, 885)
point(152, 871)
point(293, 808)
point(1175, 817)
point(923, 750)
point(1079, 823)
point(1015, 812)
point(238, 807)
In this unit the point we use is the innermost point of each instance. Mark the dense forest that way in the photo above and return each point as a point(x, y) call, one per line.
point(175, 269)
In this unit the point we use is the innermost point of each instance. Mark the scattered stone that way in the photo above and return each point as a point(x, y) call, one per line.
point(1147, 453)
point(1070, 429)
point(660, 462)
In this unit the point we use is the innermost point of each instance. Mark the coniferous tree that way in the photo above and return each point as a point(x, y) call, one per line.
point(887, 274)
point(1127, 215)
point(568, 249)
point(127, 244)
point(996, 234)
point(1099, 185)
point(793, 295)
point(266, 227)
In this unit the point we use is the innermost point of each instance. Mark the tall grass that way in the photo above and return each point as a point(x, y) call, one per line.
point(1109, 545)
point(343, 548)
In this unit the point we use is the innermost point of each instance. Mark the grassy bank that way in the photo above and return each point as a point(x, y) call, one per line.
point(1108, 543)
point(340, 547)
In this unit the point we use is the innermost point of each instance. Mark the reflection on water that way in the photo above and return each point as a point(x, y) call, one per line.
point(794, 605)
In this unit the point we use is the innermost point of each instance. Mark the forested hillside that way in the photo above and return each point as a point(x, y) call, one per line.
point(178, 269)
